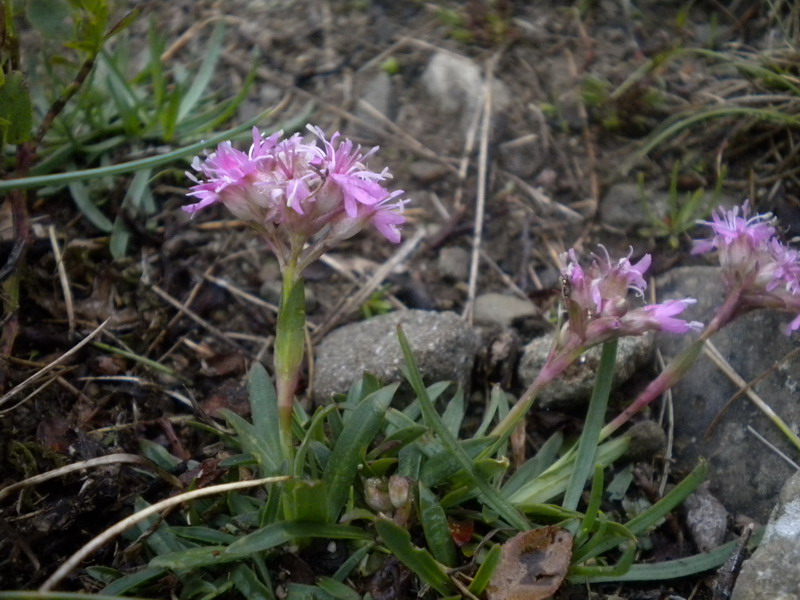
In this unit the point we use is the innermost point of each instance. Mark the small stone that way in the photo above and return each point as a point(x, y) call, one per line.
point(453, 263)
point(427, 171)
point(706, 519)
point(647, 440)
point(502, 309)
point(444, 347)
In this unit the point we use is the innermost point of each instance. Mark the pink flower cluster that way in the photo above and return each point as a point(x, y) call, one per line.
point(756, 265)
point(299, 187)
point(598, 307)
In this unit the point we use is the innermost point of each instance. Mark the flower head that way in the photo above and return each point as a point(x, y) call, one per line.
point(757, 266)
point(292, 189)
point(598, 307)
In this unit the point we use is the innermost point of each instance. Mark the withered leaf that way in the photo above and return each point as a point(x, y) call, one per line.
point(533, 565)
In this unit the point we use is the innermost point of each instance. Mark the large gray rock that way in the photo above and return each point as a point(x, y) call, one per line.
point(443, 345)
point(772, 570)
point(744, 474)
point(574, 387)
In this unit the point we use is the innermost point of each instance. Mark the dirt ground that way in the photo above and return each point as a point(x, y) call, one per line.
point(193, 297)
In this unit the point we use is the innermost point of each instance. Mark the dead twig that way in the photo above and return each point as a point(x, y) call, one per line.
point(60, 360)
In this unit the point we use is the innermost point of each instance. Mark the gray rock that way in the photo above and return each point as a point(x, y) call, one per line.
point(502, 309)
point(571, 390)
point(772, 570)
point(706, 519)
point(623, 206)
point(377, 92)
point(443, 344)
point(453, 263)
point(752, 344)
point(455, 83)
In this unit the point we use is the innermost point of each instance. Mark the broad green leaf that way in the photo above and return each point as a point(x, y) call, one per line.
point(50, 17)
point(259, 447)
point(283, 532)
point(16, 110)
point(436, 527)
point(443, 464)
point(264, 410)
point(398, 540)
point(359, 431)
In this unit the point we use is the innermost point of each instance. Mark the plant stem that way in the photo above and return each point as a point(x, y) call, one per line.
point(679, 365)
point(289, 346)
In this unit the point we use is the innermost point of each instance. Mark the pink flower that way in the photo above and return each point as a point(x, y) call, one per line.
point(290, 188)
point(598, 306)
point(757, 267)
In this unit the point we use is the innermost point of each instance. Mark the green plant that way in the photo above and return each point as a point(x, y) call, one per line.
point(682, 211)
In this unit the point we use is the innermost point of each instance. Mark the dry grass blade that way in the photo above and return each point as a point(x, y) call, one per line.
point(361, 296)
point(116, 529)
point(62, 277)
point(110, 459)
point(716, 357)
point(482, 185)
point(773, 448)
point(61, 359)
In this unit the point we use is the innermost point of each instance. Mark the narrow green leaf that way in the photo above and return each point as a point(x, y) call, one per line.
point(453, 413)
point(128, 583)
point(486, 570)
point(213, 50)
point(283, 532)
point(205, 535)
point(490, 495)
point(248, 583)
point(306, 499)
point(343, 572)
point(443, 464)
point(553, 481)
point(299, 591)
point(337, 589)
point(656, 512)
point(80, 195)
point(398, 540)
point(535, 465)
point(194, 558)
point(595, 419)
point(360, 429)
point(671, 569)
point(436, 527)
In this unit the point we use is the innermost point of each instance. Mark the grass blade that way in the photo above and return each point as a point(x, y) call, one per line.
point(595, 419)
point(490, 495)
point(436, 528)
point(281, 533)
point(398, 540)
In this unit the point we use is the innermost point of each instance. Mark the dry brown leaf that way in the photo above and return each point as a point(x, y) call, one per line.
point(533, 565)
